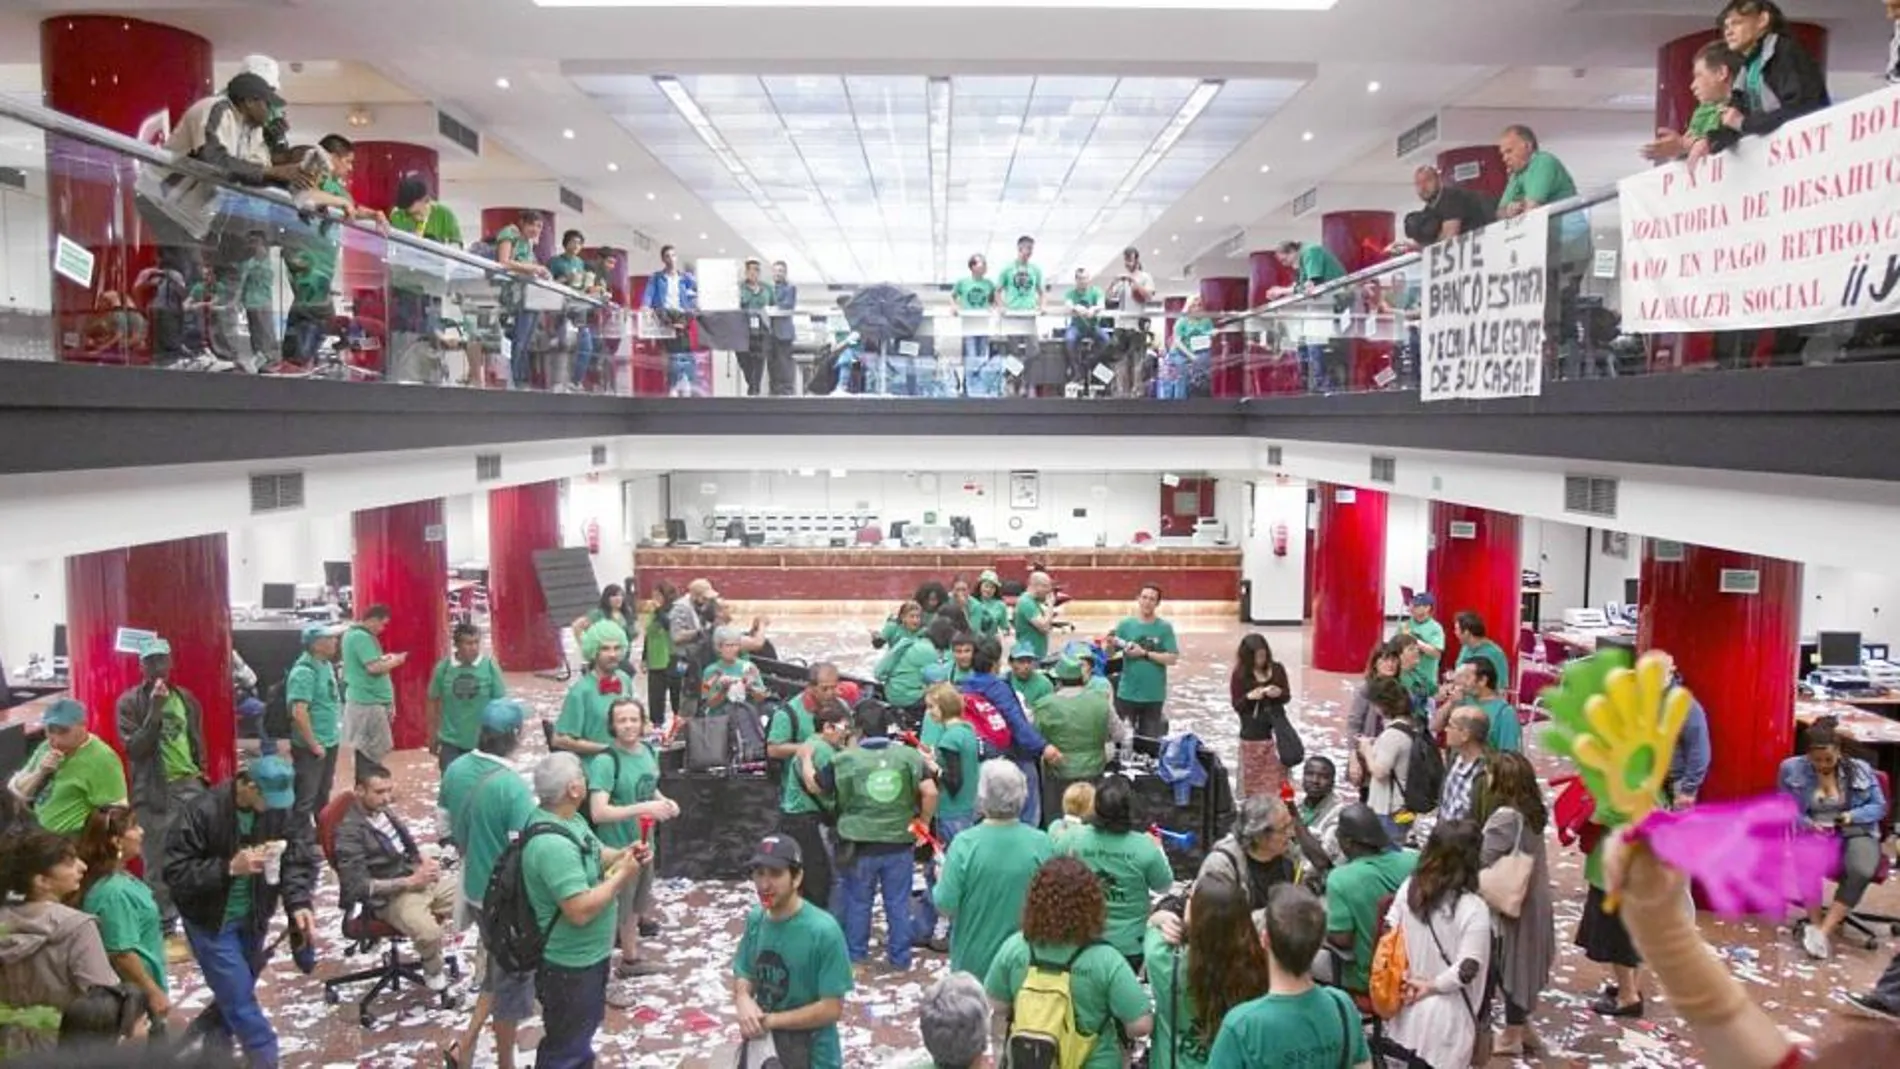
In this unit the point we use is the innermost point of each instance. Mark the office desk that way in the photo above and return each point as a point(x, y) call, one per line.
point(1864, 725)
point(22, 723)
point(1585, 641)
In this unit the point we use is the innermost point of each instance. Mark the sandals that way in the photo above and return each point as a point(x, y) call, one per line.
point(452, 1054)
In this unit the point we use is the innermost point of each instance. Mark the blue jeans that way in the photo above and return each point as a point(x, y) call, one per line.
point(225, 956)
point(583, 354)
point(682, 367)
point(868, 872)
point(1172, 384)
point(573, 1003)
point(1032, 804)
point(948, 828)
point(1072, 336)
point(521, 339)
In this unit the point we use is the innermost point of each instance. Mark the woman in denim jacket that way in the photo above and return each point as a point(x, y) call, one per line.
point(1841, 795)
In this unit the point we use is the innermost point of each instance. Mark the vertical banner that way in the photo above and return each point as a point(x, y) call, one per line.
point(1799, 226)
point(1482, 329)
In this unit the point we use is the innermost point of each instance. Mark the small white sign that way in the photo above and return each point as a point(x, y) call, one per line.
point(1463, 529)
point(71, 261)
point(708, 489)
point(1385, 378)
point(1604, 265)
point(1170, 479)
point(1668, 552)
point(132, 640)
point(435, 532)
point(908, 348)
point(1012, 365)
point(1103, 375)
point(1345, 495)
point(1200, 343)
point(1740, 581)
point(1467, 171)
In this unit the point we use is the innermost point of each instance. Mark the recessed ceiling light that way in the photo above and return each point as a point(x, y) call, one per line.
point(613, 167)
point(1174, 237)
point(650, 196)
point(676, 217)
point(1224, 198)
point(501, 83)
point(1307, 136)
point(1265, 167)
point(702, 236)
point(569, 134)
point(1199, 218)
point(1372, 87)
point(722, 252)
point(1157, 252)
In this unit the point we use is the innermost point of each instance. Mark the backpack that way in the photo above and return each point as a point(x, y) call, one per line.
point(1424, 771)
point(277, 725)
point(748, 735)
point(486, 248)
point(510, 930)
point(1043, 1033)
point(1386, 982)
point(775, 766)
point(993, 736)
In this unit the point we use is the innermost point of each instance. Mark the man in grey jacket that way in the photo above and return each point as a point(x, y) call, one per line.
point(161, 726)
point(379, 868)
point(1255, 857)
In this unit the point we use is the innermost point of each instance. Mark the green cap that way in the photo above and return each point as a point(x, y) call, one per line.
point(1069, 669)
point(155, 647)
point(64, 713)
point(275, 779)
point(989, 576)
point(1024, 651)
point(503, 715)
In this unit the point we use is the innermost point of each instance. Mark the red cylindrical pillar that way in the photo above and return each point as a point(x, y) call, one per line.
point(107, 70)
point(1479, 168)
point(1475, 563)
point(1265, 272)
point(1732, 621)
point(1227, 355)
point(493, 219)
point(380, 165)
point(1348, 577)
point(1360, 239)
point(648, 356)
point(179, 589)
point(522, 520)
point(401, 560)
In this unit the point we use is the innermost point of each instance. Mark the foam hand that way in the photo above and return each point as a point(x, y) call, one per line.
point(1633, 726)
point(1747, 857)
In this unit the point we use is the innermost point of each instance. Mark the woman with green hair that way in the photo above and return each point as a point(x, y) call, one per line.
point(584, 727)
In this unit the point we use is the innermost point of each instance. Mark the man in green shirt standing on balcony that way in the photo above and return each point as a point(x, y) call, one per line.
point(982, 377)
point(1020, 292)
point(755, 301)
point(1085, 304)
point(1539, 179)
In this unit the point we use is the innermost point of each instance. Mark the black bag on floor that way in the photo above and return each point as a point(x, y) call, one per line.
point(708, 742)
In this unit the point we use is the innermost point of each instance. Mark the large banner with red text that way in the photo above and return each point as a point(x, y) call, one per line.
point(1486, 299)
point(1800, 226)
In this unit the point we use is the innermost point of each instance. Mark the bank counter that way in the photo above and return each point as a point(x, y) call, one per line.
point(1194, 580)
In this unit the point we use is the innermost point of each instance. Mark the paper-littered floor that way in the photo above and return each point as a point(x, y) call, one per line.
point(684, 1018)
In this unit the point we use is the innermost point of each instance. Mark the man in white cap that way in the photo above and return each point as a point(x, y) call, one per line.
point(316, 717)
point(161, 726)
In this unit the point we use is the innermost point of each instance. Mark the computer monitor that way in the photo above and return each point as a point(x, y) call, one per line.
point(676, 531)
point(1630, 588)
point(279, 596)
point(336, 574)
point(1839, 649)
point(59, 641)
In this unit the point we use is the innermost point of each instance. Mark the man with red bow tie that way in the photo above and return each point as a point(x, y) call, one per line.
point(583, 727)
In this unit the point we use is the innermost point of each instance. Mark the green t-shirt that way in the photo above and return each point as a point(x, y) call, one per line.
point(1543, 180)
point(973, 294)
point(629, 777)
point(1506, 733)
point(1492, 652)
point(1142, 679)
point(1027, 609)
point(237, 904)
point(563, 268)
point(988, 616)
point(1022, 286)
point(795, 962)
point(904, 685)
point(257, 283)
point(555, 870)
point(1101, 983)
point(1706, 120)
point(753, 299)
point(1131, 866)
point(488, 803)
point(313, 682)
point(1032, 690)
point(360, 647)
point(441, 224)
point(89, 777)
point(584, 710)
point(1312, 1028)
point(893, 632)
point(793, 797)
point(1319, 265)
point(1083, 297)
point(174, 741)
point(1432, 633)
point(464, 691)
point(520, 249)
point(659, 644)
point(128, 922)
point(960, 739)
point(985, 878)
point(1187, 329)
point(1352, 899)
point(1075, 721)
point(312, 268)
point(1175, 1014)
point(877, 792)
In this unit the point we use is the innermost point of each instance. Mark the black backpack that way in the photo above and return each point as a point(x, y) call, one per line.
point(277, 725)
point(509, 928)
point(1424, 770)
point(747, 730)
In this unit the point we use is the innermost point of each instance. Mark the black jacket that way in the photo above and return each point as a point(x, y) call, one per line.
point(142, 728)
point(198, 855)
point(1796, 84)
point(363, 855)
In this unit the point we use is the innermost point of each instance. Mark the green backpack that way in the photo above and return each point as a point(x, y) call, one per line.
point(1042, 1029)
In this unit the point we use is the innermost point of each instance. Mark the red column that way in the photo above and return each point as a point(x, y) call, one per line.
point(648, 356)
point(1476, 167)
point(1476, 563)
point(180, 589)
point(1736, 651)
point(1348, 577)
point(493, 219)
point(1265, 272)
point(608, 321)
point(1171, 308)
point(521, 520)
point(1268, 372)
point(134, 77)
point(401, 560)
point(1227, 355)
point(1360, 239)
point(380, 165)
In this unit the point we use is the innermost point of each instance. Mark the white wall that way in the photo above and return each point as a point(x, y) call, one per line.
point(32, 601)
point(25, 269)
point(598, 500)
point(1408, 528)
point(1841, 599)
point(1279, 582)
point(284, 550)
point(466, 518)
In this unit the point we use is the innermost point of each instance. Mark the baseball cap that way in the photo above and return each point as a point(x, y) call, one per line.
point(936, 673)
point(989, 576)
point(155, 647)
point(275, 780)
point(778, 852)
point(1069, 668)
point(1424, 597)
point(503, 715)
point(252, 86)
point(64, 713)
point(313, 632)
point(1024, 651)
point(1359, 824)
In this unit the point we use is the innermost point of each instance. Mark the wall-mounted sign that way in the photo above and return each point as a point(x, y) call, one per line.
point(132, 640)
point(435, 532)
point(1669, 552)
point(1740, 581)
point(1345, 495)
point(1024, 490)
point(71, 261)
point(1464, 529)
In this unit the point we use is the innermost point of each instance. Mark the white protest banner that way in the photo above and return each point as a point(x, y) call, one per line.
point(1795, 227)
point(1482, 328)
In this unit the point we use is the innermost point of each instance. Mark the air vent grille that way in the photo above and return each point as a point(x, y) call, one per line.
point(459, 132)
point(276, 491)
point(599, 457)
point(1418, 137)
point(12, 177)
point(571, 200)
point(1590, 495)
point(487, 467)
point(1385, 470)
point(1275, 456)
point(1306, 202)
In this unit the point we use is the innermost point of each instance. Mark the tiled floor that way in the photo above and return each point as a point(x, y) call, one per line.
point(684, 1017)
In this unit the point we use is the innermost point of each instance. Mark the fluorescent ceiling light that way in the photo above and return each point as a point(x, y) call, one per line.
point(650, 196)
point(501, 83)
point(702, 235)
point(1372, 87)
point(676, 217)
point(569, 134)
point(1307, 136)
point(1198, 218)
point(613, 167)
point(1265, 167)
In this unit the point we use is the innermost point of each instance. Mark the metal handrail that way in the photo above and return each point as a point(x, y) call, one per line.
point(1366, 274)
point(63, 125)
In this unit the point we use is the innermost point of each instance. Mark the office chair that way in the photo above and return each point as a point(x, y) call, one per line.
point(362, 931)
point(1555, 652)
point(1530, 646)
point(1864, 922)
point(1532, 679)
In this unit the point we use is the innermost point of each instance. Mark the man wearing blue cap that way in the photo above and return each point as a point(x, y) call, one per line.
point(71, 774)
point(316, 714)
point(161, 726)
point(235, 854)
point(1429, 633)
